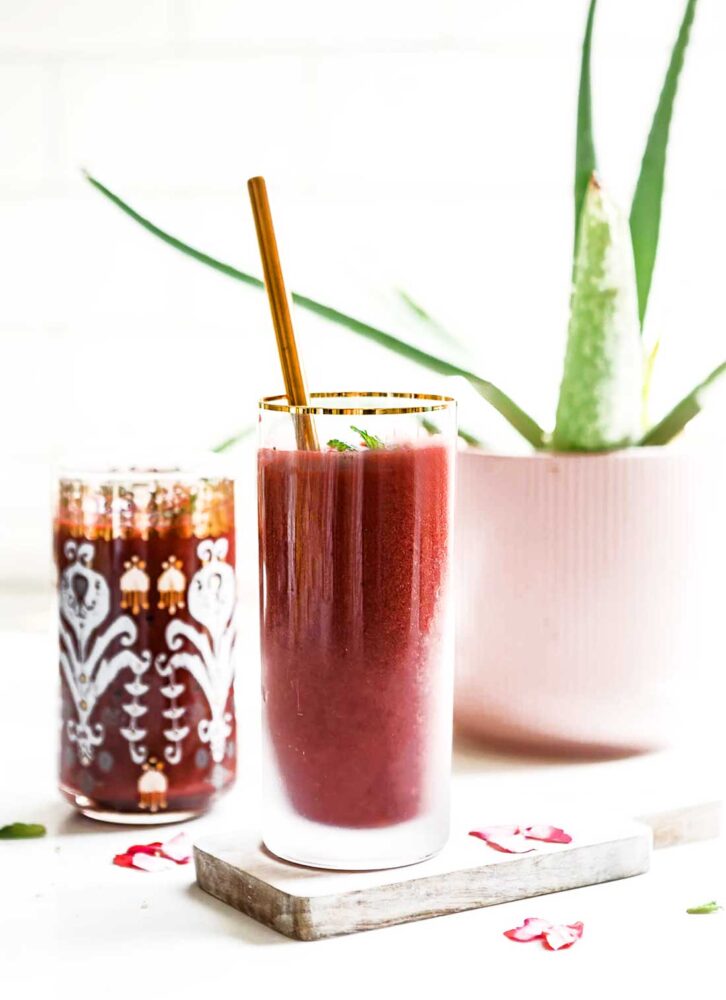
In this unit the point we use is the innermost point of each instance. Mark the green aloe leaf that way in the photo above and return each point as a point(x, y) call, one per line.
point(646, 208)
point(431, 324)
point(235, 439)
point(648, 369)
point(600, 400)
point(585, 159)
point(203, 258)
point(471, 439)
point(514, 414)
point(684, 411)
point(466, 436)
point(521, 421)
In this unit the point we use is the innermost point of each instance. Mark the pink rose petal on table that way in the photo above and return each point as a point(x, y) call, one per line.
point(152, 863)
point(128, 858)
point(153, 848)
point(503, 838)
point(137, 855)
point(555, 937)
point(515, 844)
point(513, 839)
point(493, 832)
point(531, 929)
point(178, 849)
point(549, 834)
point(157, 856)
point(561, 936)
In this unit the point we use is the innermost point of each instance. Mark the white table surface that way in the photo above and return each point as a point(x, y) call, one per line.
point(72, 924)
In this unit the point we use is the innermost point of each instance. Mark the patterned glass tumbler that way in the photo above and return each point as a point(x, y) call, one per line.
point(146, 617)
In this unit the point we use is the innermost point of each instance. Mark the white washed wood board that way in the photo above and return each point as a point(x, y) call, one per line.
point(308, 903)
point(674, 799)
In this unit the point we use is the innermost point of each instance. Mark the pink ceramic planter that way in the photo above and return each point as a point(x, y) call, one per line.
point(589, 603)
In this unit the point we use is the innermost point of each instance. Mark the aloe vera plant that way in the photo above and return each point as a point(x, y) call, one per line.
point(600, 403)
point(606, 376)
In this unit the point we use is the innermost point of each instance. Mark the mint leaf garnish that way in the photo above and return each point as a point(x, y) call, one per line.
point(339, 445)
point(429, 426)
point(21, 831)
point(705, 908)
point(369, 440)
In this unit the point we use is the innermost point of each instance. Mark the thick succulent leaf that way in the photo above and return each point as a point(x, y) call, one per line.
point(601, 393)
point(646, 207)
point(514, 414)
point(689, 407)
point(585, 159)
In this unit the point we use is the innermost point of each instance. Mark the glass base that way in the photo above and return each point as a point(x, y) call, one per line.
point(93, 810)
point(141, 819)
point(349, 866)
point(315, 845)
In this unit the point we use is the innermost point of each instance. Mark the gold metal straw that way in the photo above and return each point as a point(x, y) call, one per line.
point(275, 286)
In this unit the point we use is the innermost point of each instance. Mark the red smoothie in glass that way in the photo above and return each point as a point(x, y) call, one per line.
point(146, 601)
point(353, 558)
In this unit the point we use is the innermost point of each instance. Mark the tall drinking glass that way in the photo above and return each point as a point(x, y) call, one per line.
point(356, 627)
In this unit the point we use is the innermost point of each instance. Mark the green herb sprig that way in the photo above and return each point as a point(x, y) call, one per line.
point(22, 831)
point(711, 907)
point(369, 440)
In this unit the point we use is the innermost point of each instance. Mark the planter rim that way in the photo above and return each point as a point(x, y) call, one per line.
point(635, 454)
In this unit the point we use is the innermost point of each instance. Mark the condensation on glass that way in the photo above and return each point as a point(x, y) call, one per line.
point(356, 628)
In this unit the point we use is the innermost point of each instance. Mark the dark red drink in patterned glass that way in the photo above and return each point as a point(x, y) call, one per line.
point(146, 613)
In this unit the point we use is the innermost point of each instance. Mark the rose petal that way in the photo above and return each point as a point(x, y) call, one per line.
point(152, 848)
point(493, 832)
point(152, 863)
point(178, 849)
point(555, 937)
point(146, 857)
point(531, 929)
point(124, 861)
point(511, 845)
point(503, 838)
point(549, 834)
point(512, 839)
point(560, 936)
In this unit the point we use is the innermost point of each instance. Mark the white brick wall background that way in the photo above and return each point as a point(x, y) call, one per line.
point(426, 145)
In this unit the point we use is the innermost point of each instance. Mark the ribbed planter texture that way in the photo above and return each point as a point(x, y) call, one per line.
point(590, 596)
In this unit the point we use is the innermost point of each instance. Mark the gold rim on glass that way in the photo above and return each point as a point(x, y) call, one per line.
point(428, 403)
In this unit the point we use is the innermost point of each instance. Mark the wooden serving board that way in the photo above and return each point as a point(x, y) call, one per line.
point(307, 903)
point(673, 798)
